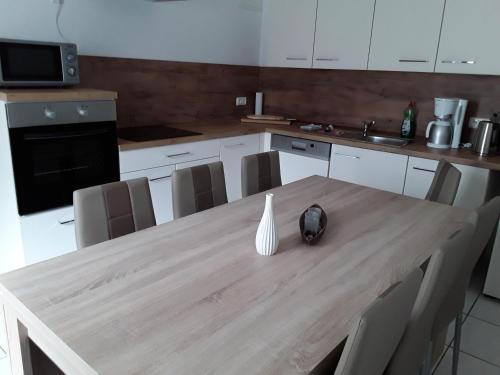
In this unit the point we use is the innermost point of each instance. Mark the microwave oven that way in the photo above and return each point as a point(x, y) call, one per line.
point(38, 64)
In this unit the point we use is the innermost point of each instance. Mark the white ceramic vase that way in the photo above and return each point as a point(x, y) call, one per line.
point(267, 239)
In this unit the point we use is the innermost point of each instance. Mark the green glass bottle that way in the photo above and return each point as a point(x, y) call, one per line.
point(409, 125)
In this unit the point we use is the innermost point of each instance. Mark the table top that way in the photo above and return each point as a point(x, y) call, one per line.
point(193, 296)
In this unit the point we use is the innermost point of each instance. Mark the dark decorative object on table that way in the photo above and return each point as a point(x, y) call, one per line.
point(313, 224)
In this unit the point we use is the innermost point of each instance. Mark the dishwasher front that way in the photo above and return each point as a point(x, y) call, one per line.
point(301, 158)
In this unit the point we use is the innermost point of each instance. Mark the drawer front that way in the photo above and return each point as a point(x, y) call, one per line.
point(419, 177)
point(379, 170)
point(195, 163)
point(160, 185)
point(48, 234)
point(147, 158)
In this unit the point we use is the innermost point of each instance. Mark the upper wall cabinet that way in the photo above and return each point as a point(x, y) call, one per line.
point(343, 30)
point(288, 33)
point(470, 38)
point(406, 34)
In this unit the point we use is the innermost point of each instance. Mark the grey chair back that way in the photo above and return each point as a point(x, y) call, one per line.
point(376, 333)
point(484, 220)
point(112, 210)
point(440, 274)
point(198, 188)
point(445, 184)
point(260, 172)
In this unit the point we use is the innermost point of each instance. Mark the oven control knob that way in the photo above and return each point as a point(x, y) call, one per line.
point(83, 111)
point(70, 57)
point(49, 113)
point(71, 71)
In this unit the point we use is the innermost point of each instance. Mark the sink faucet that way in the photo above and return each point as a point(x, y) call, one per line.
point(367, 125)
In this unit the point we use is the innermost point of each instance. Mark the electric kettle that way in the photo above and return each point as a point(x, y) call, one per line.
point(439, 134)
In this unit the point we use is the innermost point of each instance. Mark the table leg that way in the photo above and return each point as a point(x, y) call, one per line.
point(19, 346)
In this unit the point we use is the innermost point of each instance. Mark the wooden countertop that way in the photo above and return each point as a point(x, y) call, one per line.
point(193, 296)
point(228, 127)
point(55, 95)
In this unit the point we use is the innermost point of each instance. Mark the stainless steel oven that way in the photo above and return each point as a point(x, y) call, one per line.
point(29, 63)
point(58, 148)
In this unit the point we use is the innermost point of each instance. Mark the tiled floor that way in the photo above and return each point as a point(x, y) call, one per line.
point(480, 346)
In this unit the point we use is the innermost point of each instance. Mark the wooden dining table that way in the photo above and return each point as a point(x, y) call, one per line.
point(193, 296)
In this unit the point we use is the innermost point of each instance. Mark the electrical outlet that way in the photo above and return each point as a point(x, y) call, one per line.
point(241, 100)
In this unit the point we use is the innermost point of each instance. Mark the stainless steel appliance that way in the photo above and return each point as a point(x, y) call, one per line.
point(61, 147)
point(41, 64)
point(486, 139)
point(446, 130)
point(300, 158)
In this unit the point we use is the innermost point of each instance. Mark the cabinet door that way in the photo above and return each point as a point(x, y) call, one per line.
point(472, 190)
point(231, 153)
point(160, 184)
point(288, 33)
point(405, 35)
point(380, 170)
point(295, 167)
point(48, 234)
point(470, 37)
point(343, 31)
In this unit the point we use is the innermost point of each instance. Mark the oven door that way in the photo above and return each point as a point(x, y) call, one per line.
point(50, 162)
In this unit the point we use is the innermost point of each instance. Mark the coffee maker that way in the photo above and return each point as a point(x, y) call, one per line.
point(446, 130)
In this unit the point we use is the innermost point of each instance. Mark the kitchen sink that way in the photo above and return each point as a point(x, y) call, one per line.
point(381, 140)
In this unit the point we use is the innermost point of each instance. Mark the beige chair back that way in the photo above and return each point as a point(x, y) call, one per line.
point(113, 210)
point(376, 334)
point(440, 274)
point(198, 188)
point(445, 184)
point(484, 220)
point(260, 172)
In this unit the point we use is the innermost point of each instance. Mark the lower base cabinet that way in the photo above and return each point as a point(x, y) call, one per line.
point(48, 234)
point(473, 189)
point(376, 169)
point(296, 167)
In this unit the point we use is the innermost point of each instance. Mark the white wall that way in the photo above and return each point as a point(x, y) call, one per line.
point(213, 31)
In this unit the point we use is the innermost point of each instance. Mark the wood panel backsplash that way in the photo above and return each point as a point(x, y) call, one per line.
point(154, 92)
point(348, 97)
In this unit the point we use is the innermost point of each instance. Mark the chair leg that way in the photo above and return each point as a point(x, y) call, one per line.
point(456, 343)
point(427, 365)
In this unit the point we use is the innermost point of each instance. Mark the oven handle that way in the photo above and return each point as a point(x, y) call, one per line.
point(50, 136)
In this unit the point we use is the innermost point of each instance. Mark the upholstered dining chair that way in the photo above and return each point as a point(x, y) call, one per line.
point(445, 184)
point(484, 220)
point(413, 355)
point(112, 210)
point(365, 352)
point(260, 172)
point(198, 188)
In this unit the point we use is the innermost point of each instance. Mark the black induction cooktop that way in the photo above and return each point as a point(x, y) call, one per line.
point(153, 132)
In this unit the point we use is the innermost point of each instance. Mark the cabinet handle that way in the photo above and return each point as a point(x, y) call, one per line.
point(326, 59)
point(424, 170)
point(296, 58)
point(413, 61)
point(66, 222)
point(234, 146)
point(159, 178)
point(470, 62)
point(347, 156)
point(177, 155)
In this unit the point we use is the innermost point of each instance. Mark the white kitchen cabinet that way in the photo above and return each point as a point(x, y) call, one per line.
point(343, 31)
point(405, 35)
point(470, 37)
point(287, 37)
point(376, 169)
point(231, 152)
point(160, 185)
point(473, 187)
point(48, 234)
point(296, 167)
point(195, 163)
